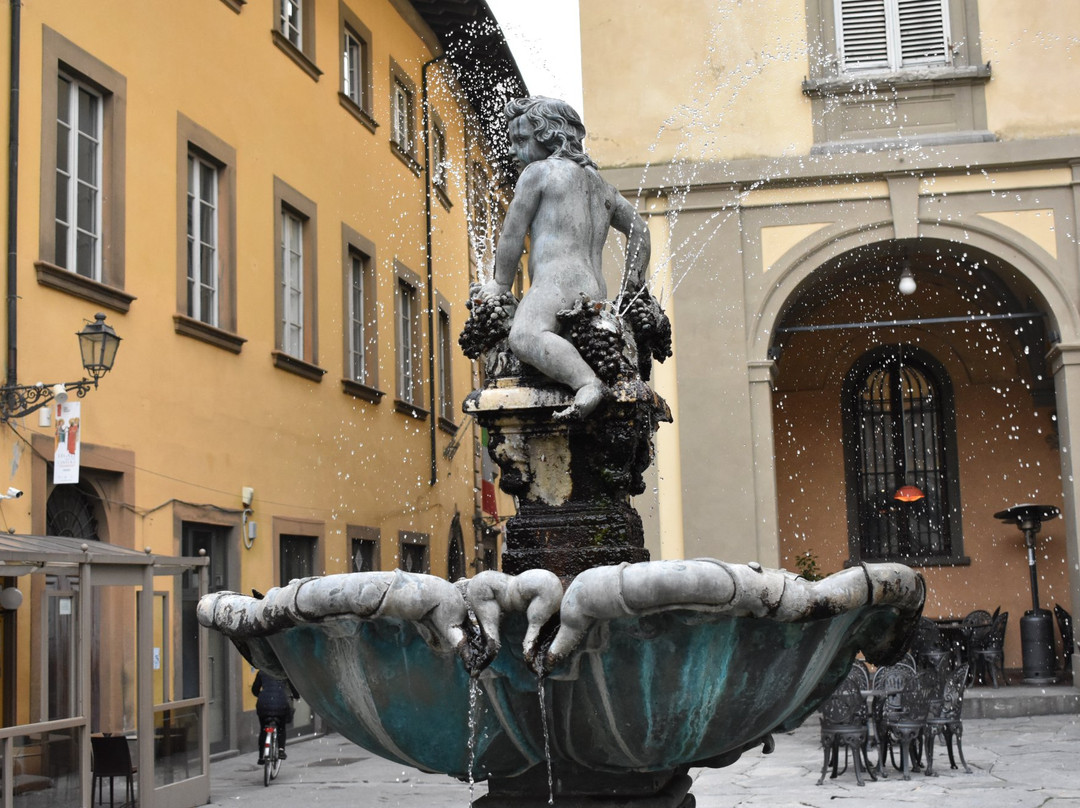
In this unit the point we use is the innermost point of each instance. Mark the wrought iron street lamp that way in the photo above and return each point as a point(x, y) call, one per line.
point(97, 345)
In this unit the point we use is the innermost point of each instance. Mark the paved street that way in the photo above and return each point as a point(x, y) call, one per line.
point(1016, 763)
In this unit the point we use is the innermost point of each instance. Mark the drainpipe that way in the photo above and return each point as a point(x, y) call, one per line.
point(433, 416)
point(13, 196)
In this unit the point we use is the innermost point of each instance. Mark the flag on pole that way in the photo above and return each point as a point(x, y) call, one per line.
point(488, 471)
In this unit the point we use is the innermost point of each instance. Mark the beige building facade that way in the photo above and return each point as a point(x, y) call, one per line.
point(278, 206)
point(797, 159)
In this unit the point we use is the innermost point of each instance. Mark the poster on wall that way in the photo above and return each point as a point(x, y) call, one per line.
point(68, 418)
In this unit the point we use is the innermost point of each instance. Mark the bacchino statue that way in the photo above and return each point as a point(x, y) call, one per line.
point(565, 208)
point(565, 366)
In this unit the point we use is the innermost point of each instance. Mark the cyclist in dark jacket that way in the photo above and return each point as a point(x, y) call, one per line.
point(273, 700)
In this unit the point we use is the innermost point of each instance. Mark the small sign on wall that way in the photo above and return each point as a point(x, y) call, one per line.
point(68, 426)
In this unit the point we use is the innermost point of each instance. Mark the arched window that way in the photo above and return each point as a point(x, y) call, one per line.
point(900, 430)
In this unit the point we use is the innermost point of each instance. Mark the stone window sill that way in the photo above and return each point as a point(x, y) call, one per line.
point(362, 391)
point(197, 329)
point(300, 367)
point(358, 112)
point(888, 80)
point(408, 159)
point(412, 410)
point(297, 55)
point(74, 284)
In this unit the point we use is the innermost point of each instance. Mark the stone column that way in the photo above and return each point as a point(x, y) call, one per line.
point(1065, 365)
point(762, 374)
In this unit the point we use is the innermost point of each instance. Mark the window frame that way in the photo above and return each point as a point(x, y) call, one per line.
point(357, 535)
point(354, 245)
point(362, 107)
point(302, 52)
point(194, 139)
point(444, 342)
point(412, 538)
point(408, 342)
point(440, 162)
point(856, 110)
point(288, 201)
point(60, 57)
point(403, 115)
point(946, 440)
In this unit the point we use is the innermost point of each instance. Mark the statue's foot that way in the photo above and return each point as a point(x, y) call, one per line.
point(587, 399)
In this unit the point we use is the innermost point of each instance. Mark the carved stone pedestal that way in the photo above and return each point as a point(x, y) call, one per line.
point(572, 480)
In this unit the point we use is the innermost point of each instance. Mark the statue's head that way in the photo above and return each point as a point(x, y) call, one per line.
point(555, 125)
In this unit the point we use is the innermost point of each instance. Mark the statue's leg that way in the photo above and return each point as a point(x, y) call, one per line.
point(535, 340)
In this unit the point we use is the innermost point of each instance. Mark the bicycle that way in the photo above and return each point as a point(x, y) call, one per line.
point(271, 761)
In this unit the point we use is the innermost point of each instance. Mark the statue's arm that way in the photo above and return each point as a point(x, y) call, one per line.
point(638, 242)
point(516, 225)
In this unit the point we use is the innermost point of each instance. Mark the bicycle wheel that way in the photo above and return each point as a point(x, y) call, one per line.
point(276, 765)
point(269, 755)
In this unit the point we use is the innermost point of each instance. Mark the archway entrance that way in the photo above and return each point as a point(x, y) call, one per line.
point(946, 390)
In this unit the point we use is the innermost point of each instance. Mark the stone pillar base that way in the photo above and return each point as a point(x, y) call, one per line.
point(571, 538)
point(675, 793)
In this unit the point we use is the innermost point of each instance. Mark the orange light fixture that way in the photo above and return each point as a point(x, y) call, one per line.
point(909, 493)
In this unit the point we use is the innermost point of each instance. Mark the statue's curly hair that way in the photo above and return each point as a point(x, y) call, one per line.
point(556, 125)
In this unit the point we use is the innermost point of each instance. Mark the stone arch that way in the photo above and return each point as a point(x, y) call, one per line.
point(798, 266)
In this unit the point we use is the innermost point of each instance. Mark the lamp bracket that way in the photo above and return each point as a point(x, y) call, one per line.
point(17, 400)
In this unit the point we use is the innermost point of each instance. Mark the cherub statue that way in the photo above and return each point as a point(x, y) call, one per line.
point(566, 208)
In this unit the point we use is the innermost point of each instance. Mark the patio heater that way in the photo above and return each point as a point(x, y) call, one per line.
point(1036, 626)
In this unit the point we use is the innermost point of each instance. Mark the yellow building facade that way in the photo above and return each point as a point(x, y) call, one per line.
point(279, 207)
point(797, 159)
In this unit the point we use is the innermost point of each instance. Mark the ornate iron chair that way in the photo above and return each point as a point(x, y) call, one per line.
point(112, 759)
point(1064, 621)
point(943, 719)
point(844, 718)
point(988, 651)
point(907, 704)
point(927, 645)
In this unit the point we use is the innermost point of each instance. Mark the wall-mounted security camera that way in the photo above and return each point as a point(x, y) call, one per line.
point(13, 493)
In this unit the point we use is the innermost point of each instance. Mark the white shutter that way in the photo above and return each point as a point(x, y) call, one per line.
point(862, 34)
point(924, 32)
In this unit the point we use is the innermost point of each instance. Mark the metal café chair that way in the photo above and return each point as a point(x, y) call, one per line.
point(844, 722)
point(1064, 621)
point(112, 759)
point(944, 717)
point(988, 651)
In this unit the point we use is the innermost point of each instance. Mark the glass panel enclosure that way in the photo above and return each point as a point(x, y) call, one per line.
point(45, 769)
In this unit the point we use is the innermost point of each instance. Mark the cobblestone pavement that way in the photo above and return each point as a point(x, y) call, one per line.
point(1016, 763)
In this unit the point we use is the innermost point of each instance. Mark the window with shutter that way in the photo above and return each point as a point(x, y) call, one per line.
point(892, 34)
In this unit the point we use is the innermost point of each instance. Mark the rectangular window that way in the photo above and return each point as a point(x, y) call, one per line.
point(439, 168)
point(292, 22)
point(81, 208)
point(447, 408)
point(356, 76)
point(202, 240)
point(401, 116)
point(361, 282)
point(205, 237)
point(364, 548)
point(408, 326)
point(292, 284)
point(78, 178)
point(352, 69)
point(413, 554)
point(892, 34)
point(296, 337)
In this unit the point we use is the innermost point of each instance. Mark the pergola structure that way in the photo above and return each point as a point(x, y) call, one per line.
point(92, 648)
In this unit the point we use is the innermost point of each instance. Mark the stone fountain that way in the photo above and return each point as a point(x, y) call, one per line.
point(584, 672)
